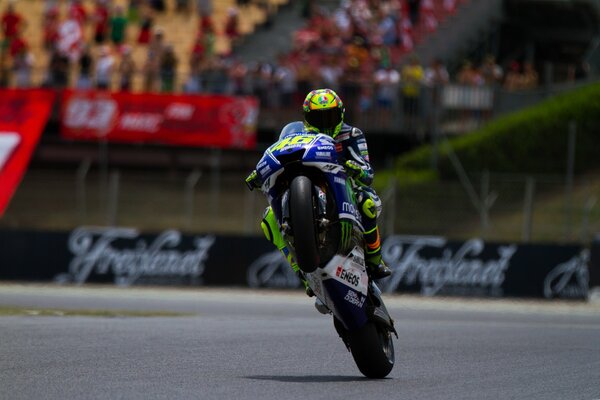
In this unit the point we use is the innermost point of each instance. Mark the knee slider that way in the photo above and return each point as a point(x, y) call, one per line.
point(267, 230)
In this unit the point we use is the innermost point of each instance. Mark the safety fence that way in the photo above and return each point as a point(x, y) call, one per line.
point(496, 207)
point(429, 265)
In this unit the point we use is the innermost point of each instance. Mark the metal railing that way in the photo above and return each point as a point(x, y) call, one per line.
point(497, 207)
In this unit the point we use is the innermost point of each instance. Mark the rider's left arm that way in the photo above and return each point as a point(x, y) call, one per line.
point(357, 152)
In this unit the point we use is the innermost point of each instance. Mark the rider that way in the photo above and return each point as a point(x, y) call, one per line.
point(324, 113)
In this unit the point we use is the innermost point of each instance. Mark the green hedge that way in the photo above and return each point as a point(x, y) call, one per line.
point(533, 140)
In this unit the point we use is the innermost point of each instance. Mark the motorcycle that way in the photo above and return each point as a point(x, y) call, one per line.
point(314, 203)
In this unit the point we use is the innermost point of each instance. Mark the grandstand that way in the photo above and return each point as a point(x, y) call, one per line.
point(181, 29)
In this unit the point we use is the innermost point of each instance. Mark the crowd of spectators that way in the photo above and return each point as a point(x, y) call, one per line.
point(360, 49)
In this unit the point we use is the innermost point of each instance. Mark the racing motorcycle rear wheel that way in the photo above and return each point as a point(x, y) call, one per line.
point(302, 215)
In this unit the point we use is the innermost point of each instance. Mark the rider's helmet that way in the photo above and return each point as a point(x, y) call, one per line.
point(323, 112)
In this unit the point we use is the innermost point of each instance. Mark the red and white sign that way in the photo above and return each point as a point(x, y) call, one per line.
point(23, 115)
point(212, 121)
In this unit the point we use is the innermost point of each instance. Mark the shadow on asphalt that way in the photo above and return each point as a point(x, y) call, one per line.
point(307, 378)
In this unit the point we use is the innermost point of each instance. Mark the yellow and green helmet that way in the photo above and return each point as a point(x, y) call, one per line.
point(323, 112)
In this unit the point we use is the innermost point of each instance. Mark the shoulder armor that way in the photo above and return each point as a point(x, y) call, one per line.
point(356, 132)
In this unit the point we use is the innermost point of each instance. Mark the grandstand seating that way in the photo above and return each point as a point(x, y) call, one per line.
point(180, 30)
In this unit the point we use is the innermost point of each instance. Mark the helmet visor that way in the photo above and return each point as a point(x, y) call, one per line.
point(324, 120)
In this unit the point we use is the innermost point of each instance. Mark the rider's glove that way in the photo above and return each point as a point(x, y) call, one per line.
point(253, 180)
point(354, 169)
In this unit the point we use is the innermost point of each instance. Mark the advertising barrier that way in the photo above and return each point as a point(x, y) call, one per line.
point(595, 263)
point(183, 120)
point(23, 115)
point(427, 265)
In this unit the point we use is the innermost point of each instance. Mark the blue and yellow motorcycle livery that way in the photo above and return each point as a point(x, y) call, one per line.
point(313, 201)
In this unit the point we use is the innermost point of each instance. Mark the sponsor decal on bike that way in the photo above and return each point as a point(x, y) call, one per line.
point(95, 252)
point(348, 276)
point(353, 298)
point(329, 148)
point(323, 154)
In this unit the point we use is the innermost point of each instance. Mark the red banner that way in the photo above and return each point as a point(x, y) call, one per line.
point(23, 115)
point(185, 120)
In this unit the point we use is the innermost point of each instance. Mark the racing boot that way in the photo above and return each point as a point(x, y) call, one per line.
point(270, 228)
point(376, 267)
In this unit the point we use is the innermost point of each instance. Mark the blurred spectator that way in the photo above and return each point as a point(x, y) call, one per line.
point(436, 74)
point(157, 5)
point(406, 35)
point(450, 6)
point(414, 8)
point(530, 78)
point(77, 12)
point(513, 77)
point(85, 70)
point(330, 73)
point(430, 20)
point(133, 11)
point(126, 69)
point(217, 79)
point(153, 60)
point(70, 39)
point(232, 25)
point(412, 77)
point(58, 70)
point(182, 6)
point(285, 82)
point(237, 78)
point(17, 44)
point(262, 78)
point(208, 41)
point(22, 66)
point(469, 75)
point(146, 23)
point(387, 83)
point(104, 68)
point(118, 26)
point(204, 8)
point(168, 68)
point(491, 72)
point(12, 23)
point(198, 52)
point(100, 17)
point(4, 70)
point(51, 26)
point(387, 28)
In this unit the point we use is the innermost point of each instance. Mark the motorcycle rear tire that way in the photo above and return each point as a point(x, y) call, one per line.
point(302, 216)
point(373, 350)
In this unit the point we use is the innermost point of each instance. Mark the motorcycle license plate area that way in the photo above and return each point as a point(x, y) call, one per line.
point(342, 285)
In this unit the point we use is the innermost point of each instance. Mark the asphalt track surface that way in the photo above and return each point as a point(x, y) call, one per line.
point(242, 344)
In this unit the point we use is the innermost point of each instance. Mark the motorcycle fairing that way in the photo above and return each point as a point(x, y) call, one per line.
point(313, 150)
point(342, 285)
